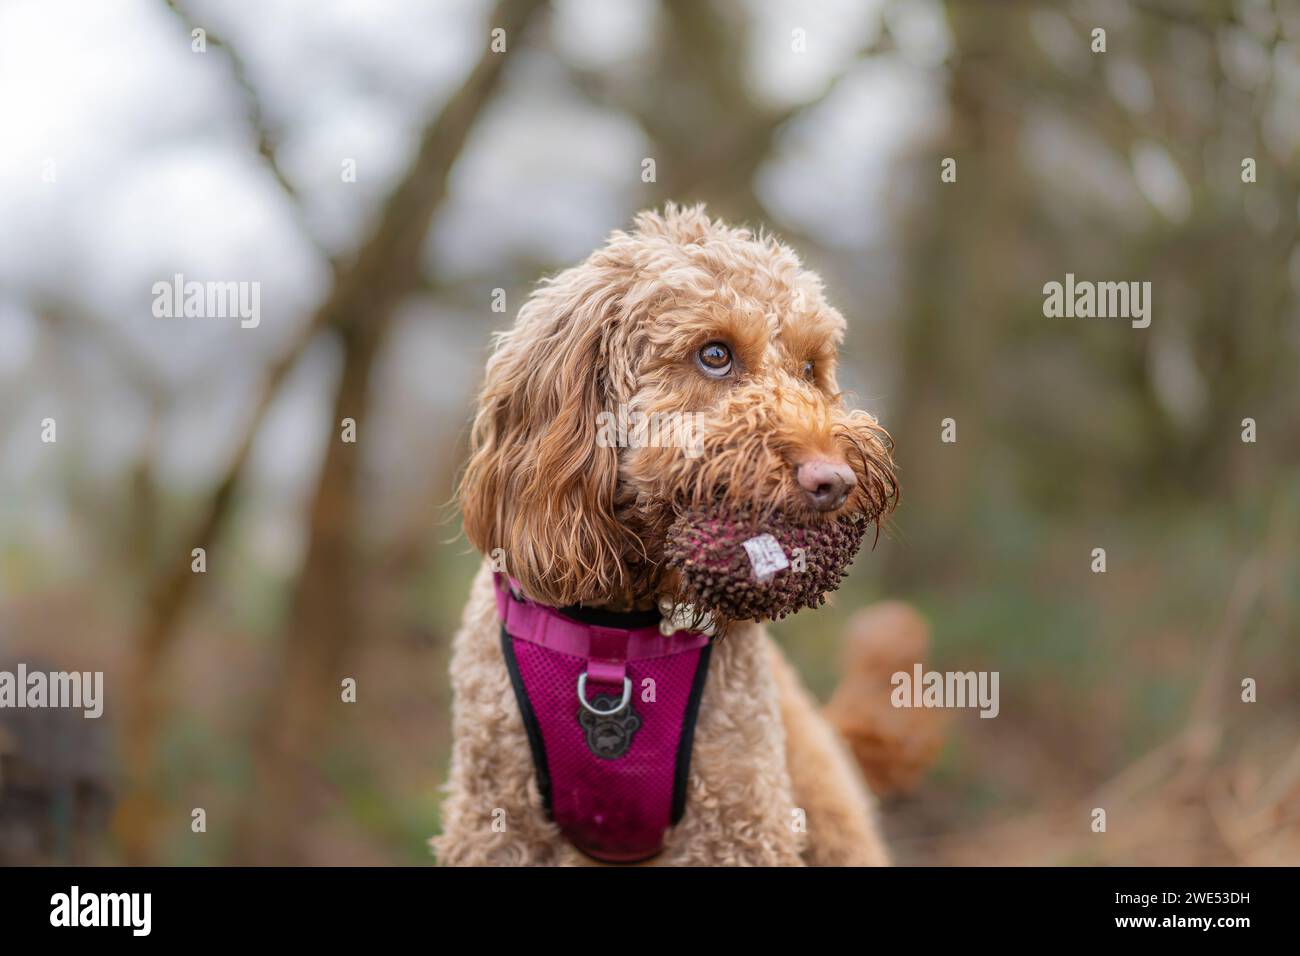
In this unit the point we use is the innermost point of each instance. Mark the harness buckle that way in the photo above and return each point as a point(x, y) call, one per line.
point(582, 697)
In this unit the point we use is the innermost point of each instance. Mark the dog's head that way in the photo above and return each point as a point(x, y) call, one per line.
point(684, 364)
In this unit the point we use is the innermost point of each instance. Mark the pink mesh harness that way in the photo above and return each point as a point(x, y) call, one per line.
point(609, 704)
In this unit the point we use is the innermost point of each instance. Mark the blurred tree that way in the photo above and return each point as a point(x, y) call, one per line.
point(326, 619)
point(1078, 413)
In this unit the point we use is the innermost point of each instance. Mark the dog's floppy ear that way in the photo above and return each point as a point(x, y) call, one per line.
point(539, 486)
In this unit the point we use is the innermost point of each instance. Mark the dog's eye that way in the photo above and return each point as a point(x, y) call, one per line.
point(715, 359)
point(809, 369)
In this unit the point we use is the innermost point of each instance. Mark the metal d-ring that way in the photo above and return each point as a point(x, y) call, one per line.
point(582, 697)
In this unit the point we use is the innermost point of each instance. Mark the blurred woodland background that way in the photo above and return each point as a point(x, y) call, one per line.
point(128, 157)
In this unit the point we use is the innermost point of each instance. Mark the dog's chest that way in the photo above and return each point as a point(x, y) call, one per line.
point(740, 807)
point(735, 792)
point(737, 804)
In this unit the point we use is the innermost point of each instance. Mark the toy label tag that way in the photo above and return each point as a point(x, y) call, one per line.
point(766, 556)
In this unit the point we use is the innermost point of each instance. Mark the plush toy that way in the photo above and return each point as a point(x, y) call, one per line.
point(739, 565)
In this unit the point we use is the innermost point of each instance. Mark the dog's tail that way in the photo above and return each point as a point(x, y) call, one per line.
point(894, 746)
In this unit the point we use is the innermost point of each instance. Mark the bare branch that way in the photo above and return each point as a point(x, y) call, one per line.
point(365, 296)
point(267, 138)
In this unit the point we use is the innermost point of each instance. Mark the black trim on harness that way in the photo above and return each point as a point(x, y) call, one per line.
point(604, 617)
point(531, 728)
point(687, 741)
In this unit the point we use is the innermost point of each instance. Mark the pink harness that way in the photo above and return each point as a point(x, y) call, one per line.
point(609, 704)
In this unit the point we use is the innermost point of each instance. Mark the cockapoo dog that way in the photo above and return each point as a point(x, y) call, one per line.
point(681, 315)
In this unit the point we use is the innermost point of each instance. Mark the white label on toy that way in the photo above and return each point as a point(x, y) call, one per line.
point(766, 556)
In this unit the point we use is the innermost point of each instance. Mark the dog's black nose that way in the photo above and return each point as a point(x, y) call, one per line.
point(826, 482)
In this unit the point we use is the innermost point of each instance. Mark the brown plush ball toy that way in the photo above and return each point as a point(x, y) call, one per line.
point(739, 566)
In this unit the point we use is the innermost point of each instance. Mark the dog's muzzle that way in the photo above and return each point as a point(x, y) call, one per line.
point(609, 705)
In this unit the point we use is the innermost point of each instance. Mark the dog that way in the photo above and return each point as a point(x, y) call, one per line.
point(681, 314)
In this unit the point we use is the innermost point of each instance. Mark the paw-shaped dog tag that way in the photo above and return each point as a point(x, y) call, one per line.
point(609, 735)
